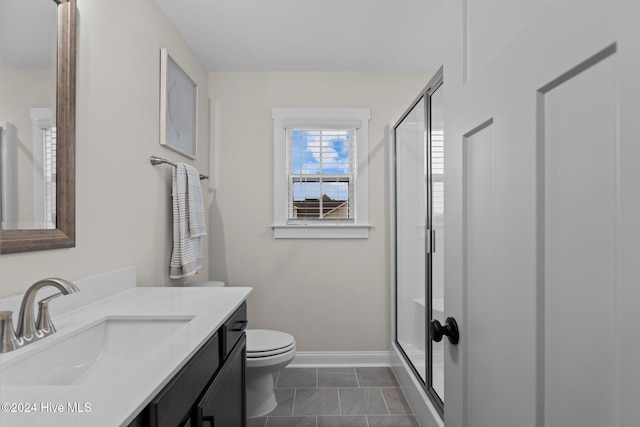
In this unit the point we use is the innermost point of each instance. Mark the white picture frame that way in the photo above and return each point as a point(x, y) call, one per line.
point(178, 108)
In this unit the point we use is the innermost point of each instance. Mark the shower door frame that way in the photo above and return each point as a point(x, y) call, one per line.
point(425, 96)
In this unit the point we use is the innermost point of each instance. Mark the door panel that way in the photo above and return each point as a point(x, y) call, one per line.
point(541, 265)
point(581, 200)
point(411, 216)
point(480, 288)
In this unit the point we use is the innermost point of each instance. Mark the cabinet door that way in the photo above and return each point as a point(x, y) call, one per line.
point(173, 404)
point(224, 402)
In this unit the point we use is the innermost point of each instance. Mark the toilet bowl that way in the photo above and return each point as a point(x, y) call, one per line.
point(268, 352)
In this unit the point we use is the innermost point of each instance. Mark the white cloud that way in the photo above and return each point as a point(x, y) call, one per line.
point(323, 151)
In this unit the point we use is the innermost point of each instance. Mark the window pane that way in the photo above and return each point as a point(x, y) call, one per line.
point(335, 188)
point(305, 190)
point(320, 199)
point(343, 148)
point(321, 151)
point(301, 154)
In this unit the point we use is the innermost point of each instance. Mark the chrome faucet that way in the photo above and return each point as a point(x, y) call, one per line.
point(31, 329)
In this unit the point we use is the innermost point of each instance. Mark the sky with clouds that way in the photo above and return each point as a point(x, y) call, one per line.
point(326, 152)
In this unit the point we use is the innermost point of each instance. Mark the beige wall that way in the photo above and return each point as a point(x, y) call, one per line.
point(332, 295)
point(123, 203)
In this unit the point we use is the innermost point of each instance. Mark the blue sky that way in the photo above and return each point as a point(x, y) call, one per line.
point(309, 151)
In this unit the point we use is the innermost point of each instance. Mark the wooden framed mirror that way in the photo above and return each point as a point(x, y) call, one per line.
point(61, 232)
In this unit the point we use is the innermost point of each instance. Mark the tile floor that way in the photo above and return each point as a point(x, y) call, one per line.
point(337, 397)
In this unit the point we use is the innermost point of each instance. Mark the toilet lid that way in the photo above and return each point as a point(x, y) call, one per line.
point(266, 340)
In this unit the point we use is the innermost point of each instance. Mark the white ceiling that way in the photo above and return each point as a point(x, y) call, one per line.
point(305, 35)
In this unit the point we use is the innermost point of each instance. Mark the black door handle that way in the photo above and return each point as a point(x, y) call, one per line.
point(450, 329)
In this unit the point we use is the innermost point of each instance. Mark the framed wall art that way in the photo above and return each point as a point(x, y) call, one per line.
point(178, 108)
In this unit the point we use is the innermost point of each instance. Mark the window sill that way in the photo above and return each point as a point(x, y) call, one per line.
point(321, 231)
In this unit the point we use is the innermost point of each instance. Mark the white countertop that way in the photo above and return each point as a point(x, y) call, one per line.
point(117, 400)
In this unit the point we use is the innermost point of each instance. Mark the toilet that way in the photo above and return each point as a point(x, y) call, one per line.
point(268, 352)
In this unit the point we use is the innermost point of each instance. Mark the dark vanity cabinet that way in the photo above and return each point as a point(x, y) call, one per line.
point(210, 390)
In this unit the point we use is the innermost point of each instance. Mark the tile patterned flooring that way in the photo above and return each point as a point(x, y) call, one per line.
point(337, 397)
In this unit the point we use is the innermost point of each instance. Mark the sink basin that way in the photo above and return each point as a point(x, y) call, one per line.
point(96, 348)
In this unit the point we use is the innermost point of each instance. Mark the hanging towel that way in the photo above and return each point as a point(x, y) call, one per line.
point(188, 222)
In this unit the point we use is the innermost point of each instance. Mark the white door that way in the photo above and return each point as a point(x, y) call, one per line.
point(542, 266)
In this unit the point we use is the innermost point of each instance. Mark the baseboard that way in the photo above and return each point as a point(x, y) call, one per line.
point(316, 359)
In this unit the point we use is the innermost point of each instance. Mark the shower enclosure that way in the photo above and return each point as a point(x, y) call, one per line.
point(417, 212)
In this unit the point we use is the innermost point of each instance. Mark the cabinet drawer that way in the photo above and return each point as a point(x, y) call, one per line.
point(232, 330)
point(174, 402)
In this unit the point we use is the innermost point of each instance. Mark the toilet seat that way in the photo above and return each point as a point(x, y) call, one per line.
point(266, 343)
point(256, 355)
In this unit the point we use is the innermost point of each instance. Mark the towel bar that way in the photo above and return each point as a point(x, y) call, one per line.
point(158, 161)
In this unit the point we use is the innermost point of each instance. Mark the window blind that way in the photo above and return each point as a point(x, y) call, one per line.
point(50, 151)
point(437, 172)
point(321, 173)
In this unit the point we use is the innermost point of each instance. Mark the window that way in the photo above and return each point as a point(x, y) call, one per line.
point(44, 174)
point(321, 172)
point(49, 169)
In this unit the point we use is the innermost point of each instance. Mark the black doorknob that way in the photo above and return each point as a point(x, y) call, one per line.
point(450, 329)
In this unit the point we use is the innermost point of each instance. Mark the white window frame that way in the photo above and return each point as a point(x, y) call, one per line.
point(358, 227)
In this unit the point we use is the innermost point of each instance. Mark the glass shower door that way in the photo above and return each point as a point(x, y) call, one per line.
point(419, 230)
point(411, 226)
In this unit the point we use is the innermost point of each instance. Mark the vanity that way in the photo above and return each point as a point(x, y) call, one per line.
point(132, 356)
point(210, 389)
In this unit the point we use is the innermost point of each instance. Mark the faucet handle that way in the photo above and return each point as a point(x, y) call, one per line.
point(44, 325)
point(9, 341)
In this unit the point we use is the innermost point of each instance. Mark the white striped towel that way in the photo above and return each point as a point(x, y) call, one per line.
point(188, 222)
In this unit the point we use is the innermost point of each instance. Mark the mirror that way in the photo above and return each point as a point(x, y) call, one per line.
point(37, 125)
point(27, 112)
